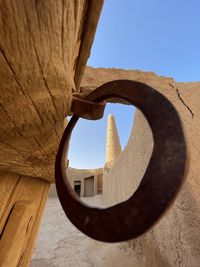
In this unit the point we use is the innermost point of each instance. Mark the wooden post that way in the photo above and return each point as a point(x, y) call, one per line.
point(44, 46)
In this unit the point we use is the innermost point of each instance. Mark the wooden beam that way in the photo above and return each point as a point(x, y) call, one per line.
point(93, 14)
point(21, 199)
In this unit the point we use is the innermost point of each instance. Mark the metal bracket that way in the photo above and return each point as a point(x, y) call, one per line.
point(87, 109)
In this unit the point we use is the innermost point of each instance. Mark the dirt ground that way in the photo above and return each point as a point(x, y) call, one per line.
point(60, 244)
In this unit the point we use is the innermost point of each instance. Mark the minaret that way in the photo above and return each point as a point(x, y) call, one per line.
point(113, 147)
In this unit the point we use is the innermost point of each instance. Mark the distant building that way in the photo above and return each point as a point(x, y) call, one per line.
point(89, 182)
point(113, 146)
point(86, 183)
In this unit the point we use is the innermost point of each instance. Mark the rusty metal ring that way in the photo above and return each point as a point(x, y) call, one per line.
point(161, 181)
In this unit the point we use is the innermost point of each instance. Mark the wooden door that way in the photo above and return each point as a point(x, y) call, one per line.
point(89, 186)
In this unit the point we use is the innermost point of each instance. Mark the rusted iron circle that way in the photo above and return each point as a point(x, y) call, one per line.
point(160, 183)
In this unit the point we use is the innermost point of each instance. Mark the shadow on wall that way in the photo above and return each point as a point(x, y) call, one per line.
point(174, 241)
point(124, 177)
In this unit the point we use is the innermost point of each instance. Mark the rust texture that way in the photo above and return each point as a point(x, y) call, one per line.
point(87, 109)
point(160, 184)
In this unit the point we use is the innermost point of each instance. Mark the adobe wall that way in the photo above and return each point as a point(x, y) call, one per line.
point(175, 240)
point(81, 174)
point(124, 177)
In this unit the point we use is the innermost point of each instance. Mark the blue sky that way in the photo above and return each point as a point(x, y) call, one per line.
point(88, 142)
point(160, 36)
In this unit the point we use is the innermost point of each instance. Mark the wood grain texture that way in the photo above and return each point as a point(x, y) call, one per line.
point(42, 45)
point(92, 18)
point(43, 50)
point(16, 233)
point(17, 189)
point(25, 261)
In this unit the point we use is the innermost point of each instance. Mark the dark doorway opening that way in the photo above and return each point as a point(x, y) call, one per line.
point(77, 187)
point(99, 183)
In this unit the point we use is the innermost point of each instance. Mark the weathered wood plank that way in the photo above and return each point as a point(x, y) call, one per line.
point(94, 11)
point(15, 189)
point(17, 229)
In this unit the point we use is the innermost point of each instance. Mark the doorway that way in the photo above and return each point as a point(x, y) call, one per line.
point(77, 187)
point(89, 186)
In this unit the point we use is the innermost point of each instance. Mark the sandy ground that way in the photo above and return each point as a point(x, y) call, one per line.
point(60, 244)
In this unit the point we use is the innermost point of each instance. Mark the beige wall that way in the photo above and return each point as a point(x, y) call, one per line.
point(80, 175)
point(124, 177)
point(175, 240)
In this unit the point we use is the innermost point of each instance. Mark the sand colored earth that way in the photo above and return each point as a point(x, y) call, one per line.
point(60, 244)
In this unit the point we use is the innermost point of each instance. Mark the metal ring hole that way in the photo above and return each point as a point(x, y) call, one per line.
point(100, 183)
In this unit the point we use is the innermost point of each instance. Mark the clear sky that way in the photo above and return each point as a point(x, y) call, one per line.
point(88, 141)
point(154, 35)
point(160, 36)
